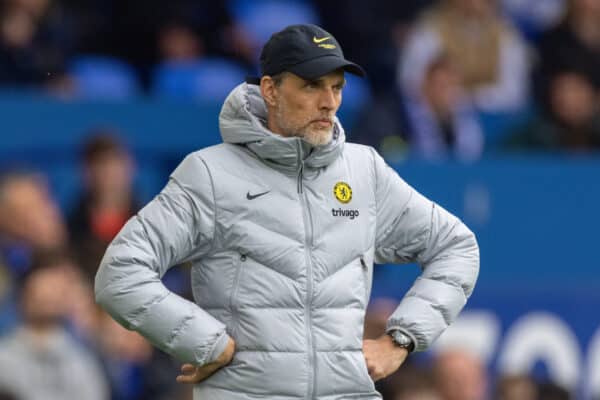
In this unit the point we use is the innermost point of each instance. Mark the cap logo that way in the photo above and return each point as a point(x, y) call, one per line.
point(319, 40)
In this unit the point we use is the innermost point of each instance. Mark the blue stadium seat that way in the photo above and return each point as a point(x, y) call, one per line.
point(261, 18)
point(104, 78)
point(208, 79)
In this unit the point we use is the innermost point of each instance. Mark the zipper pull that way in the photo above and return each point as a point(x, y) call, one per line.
point(363, 263)
point(300, 177)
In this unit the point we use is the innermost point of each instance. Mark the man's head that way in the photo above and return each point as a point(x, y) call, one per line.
point(442, 87)
point(28, 213)
point(572, 99)
point(45, 290)
point(108, 165)
point(303, 108)
point(302, 79)
point(459, 375)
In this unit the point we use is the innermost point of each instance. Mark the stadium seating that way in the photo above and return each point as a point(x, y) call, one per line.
point(205, 80)
point(103, 77)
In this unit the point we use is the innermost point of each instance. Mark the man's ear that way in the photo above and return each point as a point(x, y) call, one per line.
point(268, 90)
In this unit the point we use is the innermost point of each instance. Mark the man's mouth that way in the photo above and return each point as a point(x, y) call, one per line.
point(323, 122)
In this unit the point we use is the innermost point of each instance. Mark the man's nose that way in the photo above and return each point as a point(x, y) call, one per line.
point(328, 100)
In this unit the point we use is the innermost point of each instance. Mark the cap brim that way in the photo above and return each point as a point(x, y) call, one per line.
point(317, 67)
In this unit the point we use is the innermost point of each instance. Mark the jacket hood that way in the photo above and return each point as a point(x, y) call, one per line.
point(243, 121)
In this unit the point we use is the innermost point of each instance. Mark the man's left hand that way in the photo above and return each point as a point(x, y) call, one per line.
point(383, 356)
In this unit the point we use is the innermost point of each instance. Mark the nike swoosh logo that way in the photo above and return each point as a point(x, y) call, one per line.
point(254, 196)
point(321, 39)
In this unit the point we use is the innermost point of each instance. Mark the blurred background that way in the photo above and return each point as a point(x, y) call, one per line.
point(489, 107)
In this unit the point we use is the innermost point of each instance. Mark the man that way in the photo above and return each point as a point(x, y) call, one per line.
point(40, 359)
point(282, 224)
point(459, 375)
point(107, 201)
point(30, 222)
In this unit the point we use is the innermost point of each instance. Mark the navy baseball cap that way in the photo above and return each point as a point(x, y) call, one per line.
point(305, 50)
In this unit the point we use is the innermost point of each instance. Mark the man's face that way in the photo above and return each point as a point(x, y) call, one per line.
point(305, 108)
point(572, 99)
point(442, 88)
point(28, 213)
point(43, 298)
point(111, 172)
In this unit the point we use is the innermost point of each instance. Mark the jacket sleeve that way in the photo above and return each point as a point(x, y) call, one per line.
point(411, 228)
point(177, 226)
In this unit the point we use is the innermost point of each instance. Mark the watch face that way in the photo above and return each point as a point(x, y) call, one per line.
point(402, 339)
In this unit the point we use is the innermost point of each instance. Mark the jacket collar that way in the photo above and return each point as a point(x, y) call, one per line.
point(243, 121)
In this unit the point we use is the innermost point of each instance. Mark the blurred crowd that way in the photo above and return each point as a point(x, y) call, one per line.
point(448, 79)
point(56, 343)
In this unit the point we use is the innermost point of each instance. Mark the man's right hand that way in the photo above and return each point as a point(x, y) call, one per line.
point(192, 374)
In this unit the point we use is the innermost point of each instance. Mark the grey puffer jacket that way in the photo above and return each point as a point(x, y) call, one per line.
point(282, 241)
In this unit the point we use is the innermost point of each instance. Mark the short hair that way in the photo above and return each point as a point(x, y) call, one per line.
point(9, 176)
point(278, 78)
point(102, 143)
point(44, 260)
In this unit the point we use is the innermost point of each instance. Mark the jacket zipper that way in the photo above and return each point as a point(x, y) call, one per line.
point(308, 304)
point(232, 300)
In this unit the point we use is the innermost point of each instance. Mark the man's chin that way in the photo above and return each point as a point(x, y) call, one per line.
point(318, 137)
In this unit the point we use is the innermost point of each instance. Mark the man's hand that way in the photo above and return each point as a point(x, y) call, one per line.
point(383, 356)
point(192, 374)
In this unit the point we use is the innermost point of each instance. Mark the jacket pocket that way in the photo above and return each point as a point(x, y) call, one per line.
point(367, 275)
point(239, 261)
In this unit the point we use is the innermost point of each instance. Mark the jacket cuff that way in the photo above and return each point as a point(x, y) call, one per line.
point(218, 348)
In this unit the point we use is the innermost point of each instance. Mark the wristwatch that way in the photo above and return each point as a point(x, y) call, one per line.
point(402, 340)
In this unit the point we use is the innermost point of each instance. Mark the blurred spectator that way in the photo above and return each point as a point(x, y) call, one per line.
point(136, 370)
point(188, 69)
point(442, 123)
point(409, 383)
point(30, 220)
point(82, 312)
point(34, 42)
point(488, 52)
point(7, 309)
point(107, 202)
point(516, 387)
point(136, 30)
point(459, 375)
point(40, 360)
point(124, 354)
point(571, 123)
point(377, 315)
point(534, 17)
point(177, 42)
point(212, 21)
point(383, 124)
point(373, 44)
point(573, 45)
